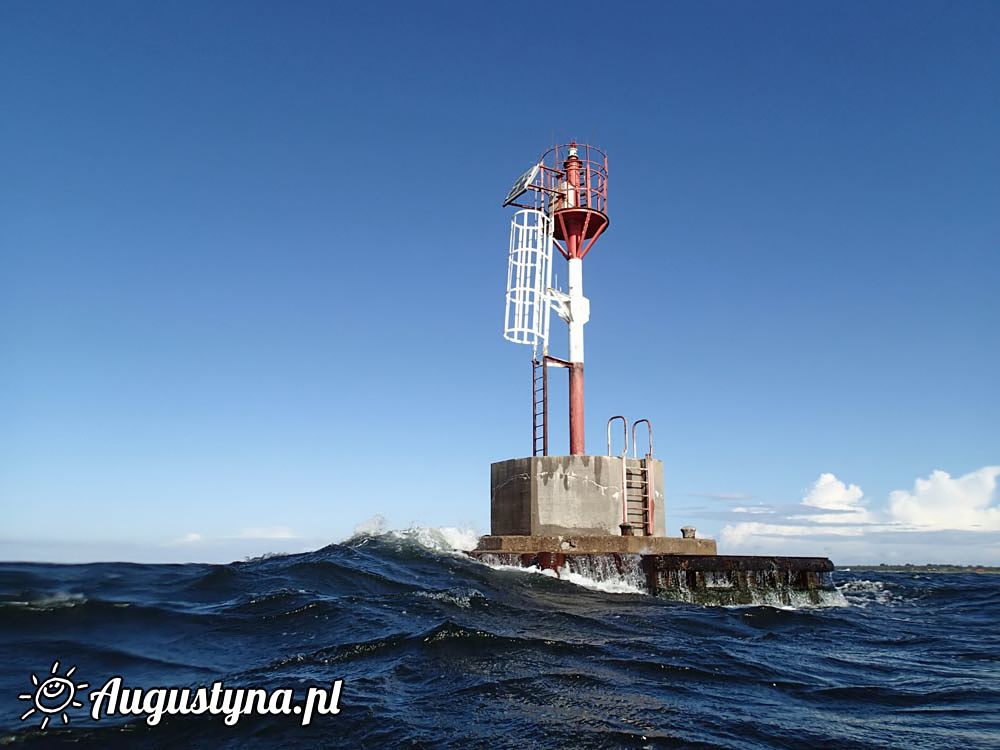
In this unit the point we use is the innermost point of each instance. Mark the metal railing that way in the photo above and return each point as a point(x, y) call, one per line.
point(624, 460)
point(649, 429)
point(624, 434)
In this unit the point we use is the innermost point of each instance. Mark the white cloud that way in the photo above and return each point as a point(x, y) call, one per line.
point(753, 509)
point(939, 507)
point(190, 538)
point(269, 532)
point(829, 493)
point(941, 502)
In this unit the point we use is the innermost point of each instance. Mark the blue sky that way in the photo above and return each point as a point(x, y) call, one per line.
point(253, 263)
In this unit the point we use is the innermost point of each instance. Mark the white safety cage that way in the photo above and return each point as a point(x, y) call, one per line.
point(529, 276)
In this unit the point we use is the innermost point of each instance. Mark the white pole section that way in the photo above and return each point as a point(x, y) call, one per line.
point(579, 309)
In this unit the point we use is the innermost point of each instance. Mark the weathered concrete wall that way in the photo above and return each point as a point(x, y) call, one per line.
point(559, 495)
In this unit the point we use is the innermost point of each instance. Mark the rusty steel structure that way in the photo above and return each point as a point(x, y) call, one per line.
point(567, 189)
point(569, 183)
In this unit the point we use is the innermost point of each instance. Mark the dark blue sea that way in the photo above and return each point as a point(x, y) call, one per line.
point(438, 651)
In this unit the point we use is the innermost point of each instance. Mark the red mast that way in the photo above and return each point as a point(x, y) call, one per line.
point(579, 217)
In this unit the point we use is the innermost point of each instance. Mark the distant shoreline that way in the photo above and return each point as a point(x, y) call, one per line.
point(929, 568)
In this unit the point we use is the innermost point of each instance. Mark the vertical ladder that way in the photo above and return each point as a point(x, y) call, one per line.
point(643, 480)
point(539, 406)
point(638, 494)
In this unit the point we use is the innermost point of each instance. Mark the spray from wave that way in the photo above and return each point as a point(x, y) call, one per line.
point(444, 539)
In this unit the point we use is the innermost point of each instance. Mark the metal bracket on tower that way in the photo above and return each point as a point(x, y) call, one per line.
point(559, 302)
point(569, 309)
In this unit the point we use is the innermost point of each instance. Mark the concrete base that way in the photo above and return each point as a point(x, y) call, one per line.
point(703, 579)
point(589, 545)
point(564, 513)
point(566, 495)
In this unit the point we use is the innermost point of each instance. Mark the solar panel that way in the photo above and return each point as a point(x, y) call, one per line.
point(521, 184)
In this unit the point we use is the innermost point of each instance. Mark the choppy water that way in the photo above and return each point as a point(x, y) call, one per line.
point(436, 650)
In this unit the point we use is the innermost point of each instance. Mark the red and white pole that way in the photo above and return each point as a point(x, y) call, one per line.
point(579, 309)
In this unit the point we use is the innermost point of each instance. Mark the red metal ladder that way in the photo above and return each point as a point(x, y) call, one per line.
point(637, 499)
point(643, 479)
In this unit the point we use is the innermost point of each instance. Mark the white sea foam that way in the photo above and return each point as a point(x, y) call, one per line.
point(446, 539)
point(613, 582)
point(797, 600)
point(460, 597)
point(374, 526)
point(608, 586)
point(59, 600)
point(864, 592)
point(441, 539)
